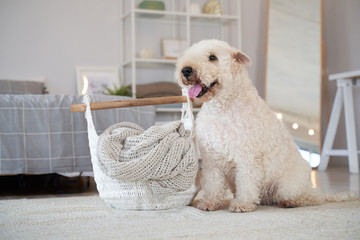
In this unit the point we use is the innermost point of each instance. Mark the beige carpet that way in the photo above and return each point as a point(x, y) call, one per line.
point(88, 217)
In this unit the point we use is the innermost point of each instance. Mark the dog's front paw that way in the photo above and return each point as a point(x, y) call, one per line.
point(238, 206)
point(206, 205)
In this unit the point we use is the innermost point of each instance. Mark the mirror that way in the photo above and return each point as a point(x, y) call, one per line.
point(293, 68)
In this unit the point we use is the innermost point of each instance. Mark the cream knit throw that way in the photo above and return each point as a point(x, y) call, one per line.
point(161, 159)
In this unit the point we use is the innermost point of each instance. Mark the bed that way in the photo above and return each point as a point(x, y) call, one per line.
point(39, 134)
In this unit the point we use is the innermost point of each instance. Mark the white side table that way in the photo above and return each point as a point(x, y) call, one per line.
point(345, 82)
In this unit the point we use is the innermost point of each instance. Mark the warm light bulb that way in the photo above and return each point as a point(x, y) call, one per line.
point(311, 132)
point(279, 116)
point(295, 126)
point(86, 84)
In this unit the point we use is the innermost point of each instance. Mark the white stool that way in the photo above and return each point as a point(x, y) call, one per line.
point(345, 82)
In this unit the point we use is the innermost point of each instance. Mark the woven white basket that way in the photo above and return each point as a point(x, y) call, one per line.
point(136, 195)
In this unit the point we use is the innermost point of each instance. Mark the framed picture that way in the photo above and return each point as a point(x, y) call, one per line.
point(93, 80)
point(173, 48)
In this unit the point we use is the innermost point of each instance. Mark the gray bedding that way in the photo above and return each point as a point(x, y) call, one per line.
point(39, 134)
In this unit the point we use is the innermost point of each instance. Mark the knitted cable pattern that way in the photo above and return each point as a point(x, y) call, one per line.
point(163, 158)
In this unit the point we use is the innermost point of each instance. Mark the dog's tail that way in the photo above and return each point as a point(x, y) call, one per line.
point(339, 196)
point(314, 197)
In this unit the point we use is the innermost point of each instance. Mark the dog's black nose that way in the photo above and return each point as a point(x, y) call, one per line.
point(186, 71)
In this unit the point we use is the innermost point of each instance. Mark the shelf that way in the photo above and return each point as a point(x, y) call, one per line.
point(206, 18)
point(156, 15)
point(176, 22)
point(180, 16)
point(153, 62)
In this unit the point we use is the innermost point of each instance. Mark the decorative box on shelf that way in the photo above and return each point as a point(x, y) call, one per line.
point(153, 5)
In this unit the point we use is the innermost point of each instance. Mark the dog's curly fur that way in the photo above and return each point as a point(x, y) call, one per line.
point(243, 145)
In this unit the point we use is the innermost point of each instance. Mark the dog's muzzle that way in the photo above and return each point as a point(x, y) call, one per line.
point(197, 89)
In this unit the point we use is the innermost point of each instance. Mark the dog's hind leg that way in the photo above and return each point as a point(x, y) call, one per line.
point(295, 188)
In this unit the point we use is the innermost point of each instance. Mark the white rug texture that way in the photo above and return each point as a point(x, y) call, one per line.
point(87, 217)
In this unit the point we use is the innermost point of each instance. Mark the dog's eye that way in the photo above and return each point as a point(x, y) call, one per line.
point(212, 58)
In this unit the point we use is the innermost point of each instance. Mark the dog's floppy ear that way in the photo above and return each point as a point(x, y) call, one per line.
point(241, 58)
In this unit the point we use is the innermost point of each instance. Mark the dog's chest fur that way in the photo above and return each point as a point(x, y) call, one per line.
point(220, 130)
point(235, 130)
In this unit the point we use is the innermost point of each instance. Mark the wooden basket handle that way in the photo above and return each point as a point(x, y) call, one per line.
point(129, 103)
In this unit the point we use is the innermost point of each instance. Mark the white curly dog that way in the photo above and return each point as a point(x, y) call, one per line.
point(243, 145)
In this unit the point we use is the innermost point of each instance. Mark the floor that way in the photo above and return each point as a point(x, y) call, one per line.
point(45, 186)
point(53, 185)
point(336, 180)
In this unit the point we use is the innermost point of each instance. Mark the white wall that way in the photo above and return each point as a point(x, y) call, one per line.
point(47, 39)
point(342, 42)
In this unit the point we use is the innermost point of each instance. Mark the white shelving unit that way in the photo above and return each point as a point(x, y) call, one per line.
point(177, 15)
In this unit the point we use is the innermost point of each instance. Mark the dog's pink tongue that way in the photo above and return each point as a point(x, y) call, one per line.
point(195, 90)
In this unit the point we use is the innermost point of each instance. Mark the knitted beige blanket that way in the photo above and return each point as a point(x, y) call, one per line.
point(162, 158)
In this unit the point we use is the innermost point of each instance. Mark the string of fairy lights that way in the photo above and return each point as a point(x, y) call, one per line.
point(295, 125)
point(312, 158)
